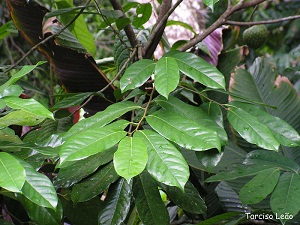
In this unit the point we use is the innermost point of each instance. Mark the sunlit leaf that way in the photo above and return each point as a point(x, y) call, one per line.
point(137, 74)
point(12, 173)
point(131, 157)
point(198, 69)
point(183, 131)
point(165, 163)
point(143, 13)
point(91, 141)
point(166, 76)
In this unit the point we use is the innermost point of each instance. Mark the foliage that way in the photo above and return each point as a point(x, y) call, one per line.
point(170, 139)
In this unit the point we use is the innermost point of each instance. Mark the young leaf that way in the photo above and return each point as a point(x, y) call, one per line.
point(149, 204)
point(283, 132)
point(137, 74)
point(91, 141)
point(143, 13)
point(198, 69)
point(100, 119)
point(12, 173)
point(165, 163)
point(166, 76)
point(94, 185)
point(38, 188)
point(285, 198)
point(188, 200)
point(183, 131)
point(28, 105)
point(15, 77)
point(260, 186)
point(116, 205)
point(251, 129)
point(131, 157)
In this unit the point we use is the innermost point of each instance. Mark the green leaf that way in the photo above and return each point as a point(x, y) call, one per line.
point(21, 118)
point(283, 132)
point(15, 77)
point(68, 176)
point(219, 219)
point(285, 198)
point(183, 131)
point(43, 215)
point(166, 76)
point(38, 188)
point(259, 187)
point(210, 3)
point(78, 28)
point(143, 13)
point(28, 105)
point(92, 141)
point(272, 159)
point(165, 163)
point(102, 118)
point(210, 158)
point(12, 173)
point(95, 184)
point(188, 200)
point(6, 29)
point(238, 172)
point(251, 129)
point(71, 101)
point(197, 114)
point(149, 205)
point(198, 69)
point(131, 157)
point(137, 74)
point(182, 24)
point(12, 90)
point(116, 204)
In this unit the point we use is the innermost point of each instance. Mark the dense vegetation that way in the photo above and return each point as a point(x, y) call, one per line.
point(107, 117)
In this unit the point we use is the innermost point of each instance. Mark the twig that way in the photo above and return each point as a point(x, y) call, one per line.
point(221, 21)
point(49, 37)
point(158, 30)
point(128, 28)
point(262, 22)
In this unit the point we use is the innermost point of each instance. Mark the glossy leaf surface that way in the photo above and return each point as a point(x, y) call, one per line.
point(92, 141)
point(183, 131)
point(137, 74)
point(131, 157)
point(166, 76)
point(12, 173)
point(198, 69)
point(165, 163)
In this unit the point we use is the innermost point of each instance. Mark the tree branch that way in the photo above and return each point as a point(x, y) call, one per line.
point(221, 21)
point(128, 28)
point(154, 38)
point(262, 22)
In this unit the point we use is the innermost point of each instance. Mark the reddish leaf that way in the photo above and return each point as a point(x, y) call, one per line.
point(76, 71)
